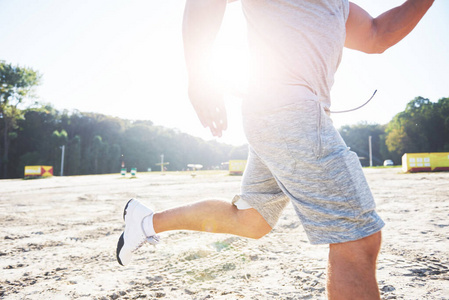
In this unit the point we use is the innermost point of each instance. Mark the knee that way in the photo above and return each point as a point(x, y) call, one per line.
point(260, 232)
point(255, 225)
point(366, 249)
point(370, 247)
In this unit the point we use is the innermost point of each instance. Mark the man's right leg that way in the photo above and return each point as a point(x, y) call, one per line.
point(259, 190)
point(141, 224)
point(260, 193)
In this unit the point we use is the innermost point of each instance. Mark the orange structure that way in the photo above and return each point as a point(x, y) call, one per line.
point(38, 171)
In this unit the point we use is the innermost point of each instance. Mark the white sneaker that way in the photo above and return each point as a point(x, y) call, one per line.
point(134, 235)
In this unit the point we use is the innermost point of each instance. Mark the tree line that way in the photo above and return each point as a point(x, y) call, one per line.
point(422, 127)
point(96, 144)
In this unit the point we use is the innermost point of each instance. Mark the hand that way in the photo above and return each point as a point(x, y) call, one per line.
point(207, 100)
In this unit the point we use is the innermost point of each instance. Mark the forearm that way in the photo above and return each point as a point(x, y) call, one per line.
point(202, 20)
point(395, 24)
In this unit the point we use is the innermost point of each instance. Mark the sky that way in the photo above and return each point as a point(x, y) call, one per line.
point(125, 59)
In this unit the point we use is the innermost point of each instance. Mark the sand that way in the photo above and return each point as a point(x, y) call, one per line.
point(59, 235)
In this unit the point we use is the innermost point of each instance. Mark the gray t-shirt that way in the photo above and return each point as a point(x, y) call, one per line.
point(296, 47)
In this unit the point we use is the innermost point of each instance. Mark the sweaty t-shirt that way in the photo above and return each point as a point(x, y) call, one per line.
point(296, 47)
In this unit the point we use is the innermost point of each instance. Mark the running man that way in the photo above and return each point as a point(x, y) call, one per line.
point(295, 153)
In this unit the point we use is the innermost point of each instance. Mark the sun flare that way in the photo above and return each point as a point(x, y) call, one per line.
point(230, 60)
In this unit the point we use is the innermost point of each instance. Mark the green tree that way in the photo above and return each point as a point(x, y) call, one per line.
point(16, 83)
point(96, 152)
point(442, 110)
point(113, 160)
point(32, 145)
point(357, 138)
point(142, 147)
point(74, 156)
point(422, 127)
point(240, 152)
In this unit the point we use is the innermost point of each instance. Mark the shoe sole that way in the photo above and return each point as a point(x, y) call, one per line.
point(126, 207)
point(121, 240)
point(119, 247)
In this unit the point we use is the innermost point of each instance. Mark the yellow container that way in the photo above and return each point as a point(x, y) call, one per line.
point(38, 171)
point(425, 162)
point(237, 167)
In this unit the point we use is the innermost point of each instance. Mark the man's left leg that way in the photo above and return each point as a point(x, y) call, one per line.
point(352, 269)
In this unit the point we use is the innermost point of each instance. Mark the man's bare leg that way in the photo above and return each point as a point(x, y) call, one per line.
point(352, 269)
point(212, 216)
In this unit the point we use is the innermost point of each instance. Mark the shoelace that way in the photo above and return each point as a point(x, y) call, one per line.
point(153, 240)
point(139, 245)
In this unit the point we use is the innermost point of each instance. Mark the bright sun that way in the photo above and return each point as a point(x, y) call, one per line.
point(230, 66)
point(231, 58)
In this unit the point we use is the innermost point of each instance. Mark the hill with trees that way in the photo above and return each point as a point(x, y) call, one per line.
point(97, 144)
point(422, 127)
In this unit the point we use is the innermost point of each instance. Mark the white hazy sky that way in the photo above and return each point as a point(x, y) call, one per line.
point(125, 59)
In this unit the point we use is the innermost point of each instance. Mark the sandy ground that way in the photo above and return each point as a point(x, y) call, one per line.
point(58, 240)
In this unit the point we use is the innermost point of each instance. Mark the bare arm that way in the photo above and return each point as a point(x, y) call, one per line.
point(202, 20)
point(375, 35)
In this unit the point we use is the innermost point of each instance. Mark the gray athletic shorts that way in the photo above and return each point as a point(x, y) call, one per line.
point(296, 154)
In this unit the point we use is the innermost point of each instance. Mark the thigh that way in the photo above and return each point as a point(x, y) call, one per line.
point(315, 169)
point(259, 190)
point(257, 178)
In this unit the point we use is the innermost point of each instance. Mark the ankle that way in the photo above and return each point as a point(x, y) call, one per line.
point(148, 227)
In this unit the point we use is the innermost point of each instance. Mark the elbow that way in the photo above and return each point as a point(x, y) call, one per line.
point(374, 49)
point(381, 38)
point(378, 49)
point(369, 49)
point(381, 44)
point(376, 44)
